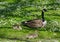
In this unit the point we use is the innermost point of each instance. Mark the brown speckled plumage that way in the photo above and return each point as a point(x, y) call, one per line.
point(34, 23)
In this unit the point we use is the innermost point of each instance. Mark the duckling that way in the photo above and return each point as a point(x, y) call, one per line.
point(33, 35)
point(37, 22)
point(17, 26)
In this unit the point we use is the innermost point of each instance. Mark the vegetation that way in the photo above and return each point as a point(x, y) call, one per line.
point(17, 11)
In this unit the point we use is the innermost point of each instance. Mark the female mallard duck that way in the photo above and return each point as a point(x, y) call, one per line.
point(37, 22)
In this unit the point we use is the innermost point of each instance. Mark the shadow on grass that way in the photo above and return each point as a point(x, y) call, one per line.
point(33, 29)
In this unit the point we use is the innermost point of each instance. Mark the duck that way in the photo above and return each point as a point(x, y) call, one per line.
point(35, 23)
point(16, 26)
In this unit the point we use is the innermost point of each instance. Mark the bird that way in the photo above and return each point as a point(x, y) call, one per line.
point(32, 35)
point(35, 23)
point(16, 26)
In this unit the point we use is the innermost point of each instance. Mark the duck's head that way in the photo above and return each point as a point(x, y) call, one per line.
point(44, 10)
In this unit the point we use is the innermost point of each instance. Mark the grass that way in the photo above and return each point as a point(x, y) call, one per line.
point(7, 33)
point(11, 13)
